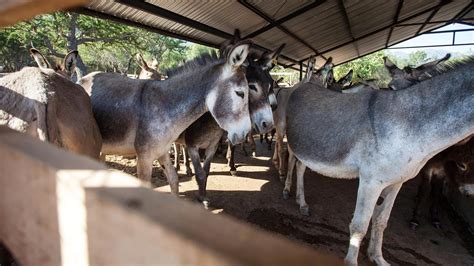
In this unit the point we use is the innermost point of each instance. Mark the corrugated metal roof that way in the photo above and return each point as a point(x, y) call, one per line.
point(343, 29)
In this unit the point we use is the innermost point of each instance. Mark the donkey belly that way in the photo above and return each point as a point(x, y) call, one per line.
point(342, 169)
point(125, 146)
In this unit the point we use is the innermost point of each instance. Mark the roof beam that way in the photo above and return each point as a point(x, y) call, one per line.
point(97, 14)
point(435, 22)
point(428, 19)
point(348, 24)
point(278, 22)
point(280, 27)
point(166, 14)
point(395, 21)
point(442, 3)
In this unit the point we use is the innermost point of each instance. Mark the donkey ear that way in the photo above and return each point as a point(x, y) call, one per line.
point(236, 37)
point(391, 67)
point(141, 62)
point(310, 67)
point(70, 61)
point(347, 79)
point(330, 78)
point(430, 65)
point(237, 55)
point(328, 65)
point(268, 59)
point(39, 58)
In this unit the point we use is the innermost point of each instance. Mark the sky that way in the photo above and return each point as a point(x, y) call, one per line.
point(439, 39)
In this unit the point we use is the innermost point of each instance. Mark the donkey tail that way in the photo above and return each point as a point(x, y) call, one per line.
point(47, 128)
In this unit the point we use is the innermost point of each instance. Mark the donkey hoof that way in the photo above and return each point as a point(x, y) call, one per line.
point(286, 194)
point(254, 154)
point(205, 203)
point(304, 210)
point(189, 172)
point(414, 224)
point(437, 224)
point(233, 172)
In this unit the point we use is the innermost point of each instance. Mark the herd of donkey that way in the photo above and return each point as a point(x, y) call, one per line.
point(421, 123)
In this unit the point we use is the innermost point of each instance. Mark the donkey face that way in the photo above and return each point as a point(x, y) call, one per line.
point(66, 69)
point(148, 72)
point(322, 73)
point(460, 167)
point(261, 96)
point(402, 79)
point(228, 100)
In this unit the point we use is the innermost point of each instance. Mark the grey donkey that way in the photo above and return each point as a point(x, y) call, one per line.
point(280, 157)
point(144, 117)
point(44, 103)
point(205, 132)
point(382, 137)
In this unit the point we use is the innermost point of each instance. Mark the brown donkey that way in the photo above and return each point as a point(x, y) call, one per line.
point(44, 103)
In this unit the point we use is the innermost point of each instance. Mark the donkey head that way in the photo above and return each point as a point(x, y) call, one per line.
point(261, 95)
point(66, 69)
point(404, 78)
point(342, 83)
point(322, 73)
point(229, 98)
point(148, 72)
point(460, 167)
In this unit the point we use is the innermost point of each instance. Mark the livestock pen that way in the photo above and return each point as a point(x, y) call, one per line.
point(59, 208)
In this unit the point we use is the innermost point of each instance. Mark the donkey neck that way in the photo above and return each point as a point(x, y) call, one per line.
point(438, 112)
point(183, 98)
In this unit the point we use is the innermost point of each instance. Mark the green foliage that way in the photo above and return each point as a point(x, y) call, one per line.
point(103, 45)
point(367, 67)
point(197, 49)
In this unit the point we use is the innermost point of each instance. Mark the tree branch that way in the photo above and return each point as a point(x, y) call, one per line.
point(102, 39)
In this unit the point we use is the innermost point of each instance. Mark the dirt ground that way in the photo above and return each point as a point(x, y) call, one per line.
point(255, 196)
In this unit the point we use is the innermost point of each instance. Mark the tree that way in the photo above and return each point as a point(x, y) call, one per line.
point(102, 44)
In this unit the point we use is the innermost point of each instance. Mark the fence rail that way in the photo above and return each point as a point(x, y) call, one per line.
point(57, 208)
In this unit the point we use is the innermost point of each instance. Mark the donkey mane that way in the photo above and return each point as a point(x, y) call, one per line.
point(450, 66)
point(205, 59)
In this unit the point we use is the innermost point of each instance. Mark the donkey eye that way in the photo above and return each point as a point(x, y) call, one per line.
point(252, 87)
point(241, 94)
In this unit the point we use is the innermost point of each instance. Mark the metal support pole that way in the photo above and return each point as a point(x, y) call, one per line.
point(301, 70)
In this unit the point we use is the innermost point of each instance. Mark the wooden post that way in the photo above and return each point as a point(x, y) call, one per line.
point(57, 208)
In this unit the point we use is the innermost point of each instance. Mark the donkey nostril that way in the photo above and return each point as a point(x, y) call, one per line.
point(264, 124)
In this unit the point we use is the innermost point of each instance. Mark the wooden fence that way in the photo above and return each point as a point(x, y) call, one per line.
point(57, 208)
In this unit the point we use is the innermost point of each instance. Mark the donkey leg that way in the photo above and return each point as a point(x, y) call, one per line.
point(176, 148)
point(379, 223)
point(367, 196)
point(276, 153)
point(230, 159)
point(210, 152)
point(170, 172)
point(253, 146)
point(200, 174)
point(289, 175)
point(436, 193)
point(421, 197)
point(189, 172)
point(145, 165)
point(300, 169)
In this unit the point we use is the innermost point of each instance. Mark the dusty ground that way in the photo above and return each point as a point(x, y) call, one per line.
point(254, 196)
